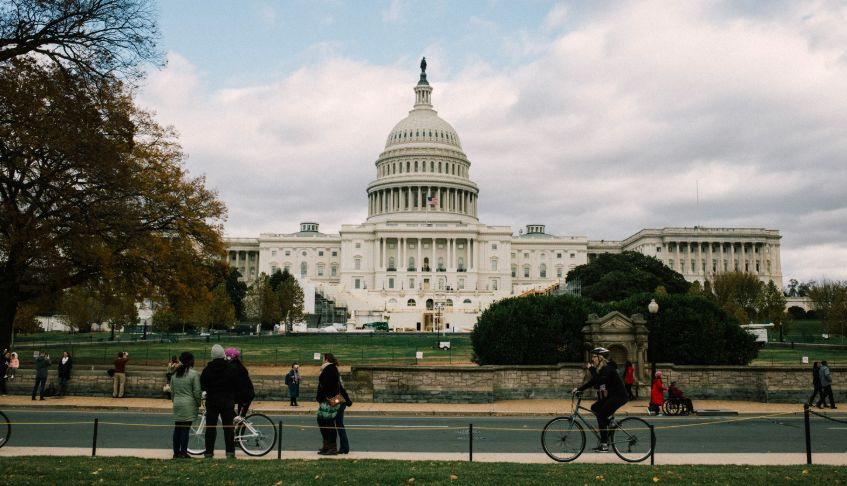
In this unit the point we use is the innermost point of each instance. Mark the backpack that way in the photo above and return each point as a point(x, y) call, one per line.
point(50, 391)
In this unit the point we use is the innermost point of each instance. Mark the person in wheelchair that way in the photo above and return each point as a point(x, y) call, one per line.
point(604, 374)
point(676, 395)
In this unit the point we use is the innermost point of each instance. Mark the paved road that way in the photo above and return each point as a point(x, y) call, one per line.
point(33, 428)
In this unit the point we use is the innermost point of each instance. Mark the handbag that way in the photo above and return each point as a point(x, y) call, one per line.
point(337, 400)
point(327, 411)
point(166, 388)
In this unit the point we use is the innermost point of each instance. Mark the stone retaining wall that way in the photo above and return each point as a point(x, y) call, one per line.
point(483, 384)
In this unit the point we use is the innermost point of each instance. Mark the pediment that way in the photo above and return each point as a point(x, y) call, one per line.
point(616, 322)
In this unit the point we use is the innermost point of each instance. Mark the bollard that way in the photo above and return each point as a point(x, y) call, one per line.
point(470, 442)
point(94, 441)
point(652, 445)
point(808, 433)
point(279, 445)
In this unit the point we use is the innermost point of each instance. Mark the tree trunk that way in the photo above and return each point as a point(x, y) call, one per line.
point(8, 309)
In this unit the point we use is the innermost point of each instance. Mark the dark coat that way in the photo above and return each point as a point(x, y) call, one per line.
point(245, 392)
point(41, 365)
point(329, 383)
point(65, 369)
point(607, 376)
point(219, 380)
point(816, 377)
point(293, 383)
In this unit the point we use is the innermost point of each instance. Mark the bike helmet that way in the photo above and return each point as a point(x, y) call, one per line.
point(232, 353)
point(601, 351)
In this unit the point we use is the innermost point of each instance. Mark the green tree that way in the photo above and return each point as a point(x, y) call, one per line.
point(739, 293)
point(830, 299)
point(772, 308)
point(539, 329)
point(262, 303)
point(290, 296)
point(691, 329)
point(610, 277)
point(82, 307)
point(92, 189)
point(221, 311)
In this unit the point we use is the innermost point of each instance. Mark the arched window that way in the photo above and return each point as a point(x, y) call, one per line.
point(426, 264)
point(449, 303)
point(392, 301)
point(542, 271)
point(416, 166)
point(429, 304)
point(408, 165)
point(439, 167)
point(304, 267)
point(411, 303)
point(466, 301)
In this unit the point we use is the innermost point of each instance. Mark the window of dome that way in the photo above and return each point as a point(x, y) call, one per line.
point(408, 164)
point(439, 167)
point(416, 166)
point(431, 166)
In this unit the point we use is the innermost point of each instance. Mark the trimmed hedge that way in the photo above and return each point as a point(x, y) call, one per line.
point(692, 330)
point(532, 330)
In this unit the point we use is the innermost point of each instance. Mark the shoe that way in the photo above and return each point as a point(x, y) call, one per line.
point(834, 407)
point(344, 452)
point(177, 455)
point(329, 452)
point(42, 398)
point(230, 455)
point(33, 398)
point(658, 414)
point(601, 448)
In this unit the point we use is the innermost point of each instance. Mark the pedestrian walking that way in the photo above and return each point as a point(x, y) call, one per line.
point(187, 393)
point(343, 442)
point(14, 364)
point(244, 392)
point(119, 378)
point(657, 395)
point(629, 378)
point(220, 382)
point(826, 385)
point(65, 365)
point(42, 363)
point(4, 370)
point(816, 383)
point(292, 380)
point(329, 386)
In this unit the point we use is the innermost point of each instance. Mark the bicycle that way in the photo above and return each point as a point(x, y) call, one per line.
point(563, 438)
point(5, 429)
point(255, 434)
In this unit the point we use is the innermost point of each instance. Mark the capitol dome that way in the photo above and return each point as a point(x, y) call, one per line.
point(422, 174)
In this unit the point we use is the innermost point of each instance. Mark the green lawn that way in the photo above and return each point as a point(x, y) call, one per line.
point(80, 470)
point(369, 348)
point(781, 356)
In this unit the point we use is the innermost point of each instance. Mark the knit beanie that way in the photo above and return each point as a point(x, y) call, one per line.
point(217, 351)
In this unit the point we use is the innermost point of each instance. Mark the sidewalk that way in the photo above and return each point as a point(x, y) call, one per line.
point(504, 407)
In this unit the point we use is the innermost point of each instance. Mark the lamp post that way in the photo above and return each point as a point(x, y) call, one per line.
point(439, 307)
point(653, 308)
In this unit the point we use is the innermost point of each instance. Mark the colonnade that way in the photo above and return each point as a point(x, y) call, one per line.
point(460, 254)
point(705, 257)
point(422, 198)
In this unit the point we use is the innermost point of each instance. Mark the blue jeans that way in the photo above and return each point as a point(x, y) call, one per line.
point(40, 381)
point(343, 445)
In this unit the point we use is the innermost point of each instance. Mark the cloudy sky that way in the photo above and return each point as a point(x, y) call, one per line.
point(595, 118)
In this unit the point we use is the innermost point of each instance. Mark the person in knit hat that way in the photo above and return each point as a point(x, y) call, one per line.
point(657, 395)
point(219, 381)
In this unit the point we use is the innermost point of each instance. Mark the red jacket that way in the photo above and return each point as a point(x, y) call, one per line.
point(657, 397)
point(629, 377)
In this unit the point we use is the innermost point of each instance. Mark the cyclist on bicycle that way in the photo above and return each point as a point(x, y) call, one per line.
point(604, 374)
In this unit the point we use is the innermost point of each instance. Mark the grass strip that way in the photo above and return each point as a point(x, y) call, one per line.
point(43, 470)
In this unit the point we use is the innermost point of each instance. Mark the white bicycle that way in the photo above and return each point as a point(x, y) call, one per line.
point(255, 434)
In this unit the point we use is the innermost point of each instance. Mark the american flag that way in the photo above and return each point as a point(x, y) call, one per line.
point(432, 200)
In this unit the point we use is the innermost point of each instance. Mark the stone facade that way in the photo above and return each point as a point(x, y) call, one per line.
point(482, 384)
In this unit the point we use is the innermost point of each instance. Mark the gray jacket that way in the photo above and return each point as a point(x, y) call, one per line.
point(826, 376)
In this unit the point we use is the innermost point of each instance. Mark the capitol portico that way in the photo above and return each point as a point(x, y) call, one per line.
point(422, 253)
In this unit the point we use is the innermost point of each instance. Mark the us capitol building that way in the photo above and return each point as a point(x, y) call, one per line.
point(423, 261)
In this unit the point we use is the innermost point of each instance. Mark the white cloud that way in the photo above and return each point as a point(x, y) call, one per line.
point(556, 18)
point(606, 131)
point(395, 11)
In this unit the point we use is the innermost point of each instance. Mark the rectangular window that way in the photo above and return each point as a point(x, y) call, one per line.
point(411, 283)
point(334, 253)
point(559, 272)
point(357, 283)
point(526, 272)
point(287, 252)
point(494, 264)
point(494, 284)
point(333, 271)
point(658, 249)
point(320, 253)
point(526, 255)
point(273, 252)
point(558, 255)
point(390, 283)
point(573, 255)
point(358, 245)
point(461, 283)
point(494, 246)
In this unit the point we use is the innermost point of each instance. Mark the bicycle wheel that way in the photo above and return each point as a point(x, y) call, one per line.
point(197, 436)
point(563, 439)
point(5, 429)
point(631, 439)
point(256, 435)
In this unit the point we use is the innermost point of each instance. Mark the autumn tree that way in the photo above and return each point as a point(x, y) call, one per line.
point(221, 311)
point(290, 296)
point(92, 190)
point(97, 39)
point(772, 308)
point(262, 303)
point(739, 293)
point(830, 300)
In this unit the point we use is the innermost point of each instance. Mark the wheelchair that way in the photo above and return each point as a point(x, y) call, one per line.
point(677, 406)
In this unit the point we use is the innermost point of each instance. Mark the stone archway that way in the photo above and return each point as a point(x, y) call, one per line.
point(624, 337)
point(619, 353)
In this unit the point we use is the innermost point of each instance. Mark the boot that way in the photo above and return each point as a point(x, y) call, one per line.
point(332, 450)
point(324, 448)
